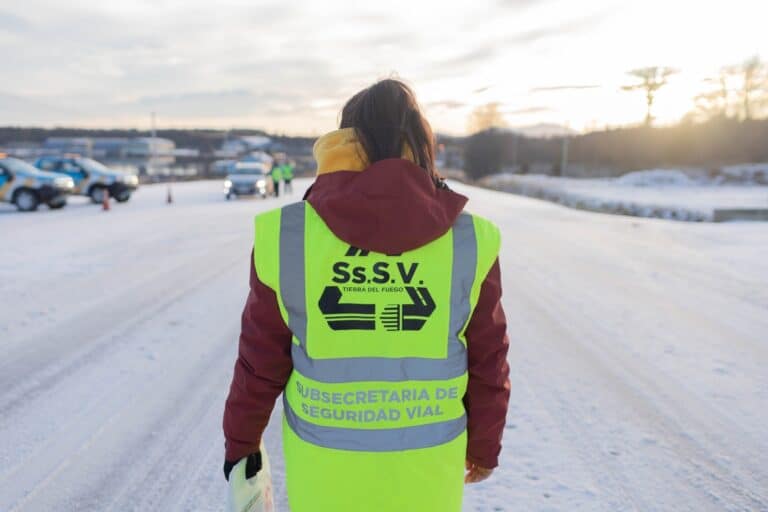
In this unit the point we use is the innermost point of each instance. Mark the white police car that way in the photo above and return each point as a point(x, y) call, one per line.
point(26, 186)
point(91, 178)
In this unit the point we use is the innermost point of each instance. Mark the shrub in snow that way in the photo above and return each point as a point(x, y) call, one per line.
point(656, 178)
point(751, 174)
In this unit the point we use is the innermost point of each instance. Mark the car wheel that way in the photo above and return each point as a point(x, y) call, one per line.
point(26, 200)
point(57, 203)
point(97, 194)
point(123, 197)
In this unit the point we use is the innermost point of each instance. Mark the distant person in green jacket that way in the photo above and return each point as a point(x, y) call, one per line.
point(277, 175)
point(288, 169)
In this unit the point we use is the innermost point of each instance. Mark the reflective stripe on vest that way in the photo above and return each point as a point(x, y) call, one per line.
point(378, 440)
point(293, 288)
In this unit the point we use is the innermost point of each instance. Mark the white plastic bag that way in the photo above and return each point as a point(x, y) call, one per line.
point(254, 495)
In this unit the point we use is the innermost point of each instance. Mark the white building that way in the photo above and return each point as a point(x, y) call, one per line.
point(149, 146)
point(235, 146)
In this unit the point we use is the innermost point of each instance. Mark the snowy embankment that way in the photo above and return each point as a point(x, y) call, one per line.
point(660, 193)
point(638, 355)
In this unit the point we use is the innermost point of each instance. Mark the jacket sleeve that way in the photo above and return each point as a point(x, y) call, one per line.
point(487, 396)
point(261, 371)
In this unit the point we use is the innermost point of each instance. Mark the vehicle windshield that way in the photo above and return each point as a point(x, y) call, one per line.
point(92, 165)
point(16, 165)
point(248, 168)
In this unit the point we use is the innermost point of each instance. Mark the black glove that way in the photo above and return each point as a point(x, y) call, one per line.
point(252, 466)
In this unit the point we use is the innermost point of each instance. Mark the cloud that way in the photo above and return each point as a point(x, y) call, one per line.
point(395, 38)
point(23, 110)
point(447, 104)
point(209, 103)
point(197, 63)
point(489, 49)
point(10, 22)
point(568, 87)
point(567, 27)
point(462, 62)
point(527, 110)
point(518, 4)
point(273, 13)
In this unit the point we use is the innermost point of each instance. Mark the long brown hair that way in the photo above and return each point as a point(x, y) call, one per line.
point(386, 116)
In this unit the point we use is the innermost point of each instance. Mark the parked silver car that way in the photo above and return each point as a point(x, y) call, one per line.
point(248, 178)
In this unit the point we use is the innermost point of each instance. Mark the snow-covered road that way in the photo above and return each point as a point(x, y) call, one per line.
point(639, 356)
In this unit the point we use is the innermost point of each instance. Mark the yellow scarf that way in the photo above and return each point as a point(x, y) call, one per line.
point(340, 150)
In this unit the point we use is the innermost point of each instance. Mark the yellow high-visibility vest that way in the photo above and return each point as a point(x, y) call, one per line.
point(373, 413)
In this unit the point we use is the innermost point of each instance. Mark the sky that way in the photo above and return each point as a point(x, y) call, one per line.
point(288, 66)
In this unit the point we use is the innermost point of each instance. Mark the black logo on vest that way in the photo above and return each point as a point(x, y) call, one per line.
point(346, 317)
point(409, 317)
point(376, 277)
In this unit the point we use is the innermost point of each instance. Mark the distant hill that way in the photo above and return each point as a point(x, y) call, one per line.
point(543, 130)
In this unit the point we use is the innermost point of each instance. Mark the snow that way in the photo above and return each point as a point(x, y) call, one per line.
point(638, 354)
point(655, 178)
point(746, 173)
point(660, 193)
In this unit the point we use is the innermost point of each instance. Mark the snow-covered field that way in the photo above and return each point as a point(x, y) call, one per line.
point(639, 356)
point(659, 193)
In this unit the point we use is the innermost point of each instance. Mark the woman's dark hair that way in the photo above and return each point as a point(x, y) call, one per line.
point(386, 116)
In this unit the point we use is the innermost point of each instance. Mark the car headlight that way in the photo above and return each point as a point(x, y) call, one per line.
point(261, 183)
point(63, 183)
point(128, 179)
point(227, 184)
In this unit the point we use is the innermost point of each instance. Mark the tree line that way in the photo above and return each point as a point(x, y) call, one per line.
point(709, 145)
point(205, 140)
point(722, 128)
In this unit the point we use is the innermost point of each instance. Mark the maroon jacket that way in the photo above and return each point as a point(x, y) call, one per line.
point(391, 207)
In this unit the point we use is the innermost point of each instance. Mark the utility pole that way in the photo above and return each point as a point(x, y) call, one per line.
point(564, 154)
point(153, 140)
point(151, 156)
point(515, 142)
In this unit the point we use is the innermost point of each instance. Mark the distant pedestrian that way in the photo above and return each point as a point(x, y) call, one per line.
point(288, 169)
point(277, 176)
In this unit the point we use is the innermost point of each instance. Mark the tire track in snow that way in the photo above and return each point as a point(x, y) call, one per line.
point(127, 417)
point(33, 377)
point(703, 471)
point(170, 449)
point(686, 410)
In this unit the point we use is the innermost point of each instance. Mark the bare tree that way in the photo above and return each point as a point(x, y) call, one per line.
point(651, 80)
point(754, 88)
point(485, 117)
point(716, 101)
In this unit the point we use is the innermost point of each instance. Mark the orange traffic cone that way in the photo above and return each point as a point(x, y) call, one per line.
point(105, 200)
point(169, 197)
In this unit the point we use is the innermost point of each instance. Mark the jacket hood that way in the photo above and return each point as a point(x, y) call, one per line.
point(390, 206)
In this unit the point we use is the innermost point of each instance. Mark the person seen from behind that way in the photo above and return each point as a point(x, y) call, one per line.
point(375, 308)
point(288, 172)
point(276, 174)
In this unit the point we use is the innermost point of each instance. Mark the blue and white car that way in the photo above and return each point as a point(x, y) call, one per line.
point(27, 187)
point(92, 178)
